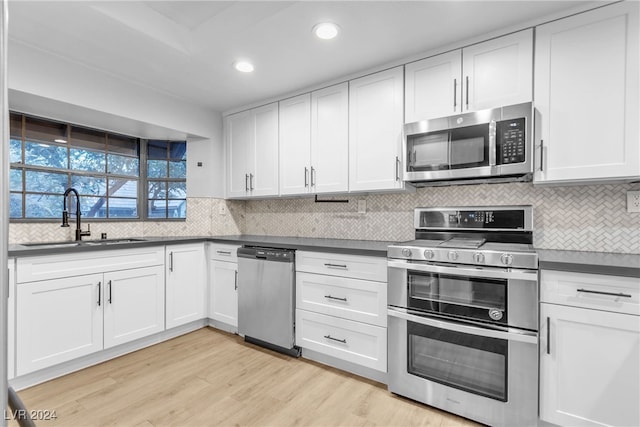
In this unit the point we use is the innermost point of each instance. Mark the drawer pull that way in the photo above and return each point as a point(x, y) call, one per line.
point(335, 298)
point(343, 266)
point(329, 337)
point(224, 252)
point(613, 294)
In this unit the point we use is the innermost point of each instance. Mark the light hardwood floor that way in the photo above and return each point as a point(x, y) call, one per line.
point(211, 378)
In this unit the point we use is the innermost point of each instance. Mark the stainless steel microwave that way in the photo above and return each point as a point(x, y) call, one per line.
point(483, 146)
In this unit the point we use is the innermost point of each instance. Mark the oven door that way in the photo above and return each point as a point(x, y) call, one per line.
point(485, 374)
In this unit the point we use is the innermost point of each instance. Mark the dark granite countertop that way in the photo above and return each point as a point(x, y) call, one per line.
point(614, 264)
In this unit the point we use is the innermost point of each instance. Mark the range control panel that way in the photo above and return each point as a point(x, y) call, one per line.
point(510, 135)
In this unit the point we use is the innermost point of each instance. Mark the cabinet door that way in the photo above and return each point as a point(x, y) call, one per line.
point(58, 320)
point(133, 304)
point(295, 144)
point(586, 94)
point(433, 87)
point(185, 284)
point(375, 131)
point(239, 133)
point(223, 296)
point(589, 370)
point(11, 321)
point(330, 139)
point(263, 179)
point(498, 72)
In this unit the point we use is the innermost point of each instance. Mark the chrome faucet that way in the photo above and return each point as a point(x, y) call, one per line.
point(65, 215)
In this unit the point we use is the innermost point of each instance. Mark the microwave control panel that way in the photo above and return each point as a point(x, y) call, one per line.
point(511, 141)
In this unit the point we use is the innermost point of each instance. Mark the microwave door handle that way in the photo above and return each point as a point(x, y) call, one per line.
point(529, 275)
point(492, 143)
point(510, 334)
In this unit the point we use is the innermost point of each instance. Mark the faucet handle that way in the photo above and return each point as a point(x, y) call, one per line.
point(86, 233)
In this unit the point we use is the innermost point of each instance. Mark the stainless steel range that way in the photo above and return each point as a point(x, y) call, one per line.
point(463, 314)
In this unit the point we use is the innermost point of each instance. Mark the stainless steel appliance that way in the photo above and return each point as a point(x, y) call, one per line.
point(266, 298)
point(463, 314)
point(484, 145)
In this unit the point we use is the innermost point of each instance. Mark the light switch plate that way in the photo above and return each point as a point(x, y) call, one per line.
point(362, 206)
point(633, 201)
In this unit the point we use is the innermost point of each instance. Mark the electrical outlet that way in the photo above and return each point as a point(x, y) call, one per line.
point(633, 201)
point(223, 210)
point(362, 206)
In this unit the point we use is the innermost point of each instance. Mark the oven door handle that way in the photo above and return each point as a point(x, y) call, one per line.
point(493, 273)
point(527, 337)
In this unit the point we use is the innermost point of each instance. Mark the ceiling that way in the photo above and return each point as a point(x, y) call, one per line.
point(187, 48)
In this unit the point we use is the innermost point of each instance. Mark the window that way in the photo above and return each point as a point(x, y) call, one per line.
point(47, 157)
point(166, 179)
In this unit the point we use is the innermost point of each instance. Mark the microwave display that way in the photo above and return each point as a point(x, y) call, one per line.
point(510, 141)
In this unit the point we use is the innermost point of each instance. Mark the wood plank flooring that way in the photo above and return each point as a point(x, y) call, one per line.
point(211, 378)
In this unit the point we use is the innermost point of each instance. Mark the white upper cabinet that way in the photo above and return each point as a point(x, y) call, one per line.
point(586, 93)
point(252, 152)
point(491, 74)
point(330, 139)
point(375, 131)
point(295, 145)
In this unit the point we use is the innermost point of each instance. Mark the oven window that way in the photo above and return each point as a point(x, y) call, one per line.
point(468, 362)
point(472, 298)
point(428, 152)
point(470, 147)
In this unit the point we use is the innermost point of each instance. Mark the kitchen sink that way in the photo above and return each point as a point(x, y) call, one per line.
point(111, 241)
point(51, 245)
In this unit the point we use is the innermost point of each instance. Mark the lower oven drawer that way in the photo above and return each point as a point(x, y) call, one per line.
point(355, 342)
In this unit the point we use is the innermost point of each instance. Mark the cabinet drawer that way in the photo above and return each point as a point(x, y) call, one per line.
point(32, 269)
point(223, 252)
point(356, 266)
point(600, 292)
point(360, 300)
point(356, 342)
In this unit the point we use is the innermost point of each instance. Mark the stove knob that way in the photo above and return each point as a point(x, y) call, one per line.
point(478, 257)
point(453, 255)
point(428, 254)
point(406, 252)
point(507, 259)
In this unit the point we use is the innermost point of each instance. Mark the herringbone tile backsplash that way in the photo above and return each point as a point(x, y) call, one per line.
point(585, 218)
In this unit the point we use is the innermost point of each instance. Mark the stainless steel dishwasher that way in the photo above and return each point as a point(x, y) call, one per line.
point(266, 298)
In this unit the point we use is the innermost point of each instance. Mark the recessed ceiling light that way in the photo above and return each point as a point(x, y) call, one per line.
point(326, 30)
point(61, 141)
point(243, 66)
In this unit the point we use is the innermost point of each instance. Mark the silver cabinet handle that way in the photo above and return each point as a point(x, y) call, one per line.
point(171, 261)
point(613, 294)
point(455, 93)
point(306, 176)
point(467, 92)
point(246, 182)
point(548, 335)
point(335, 266)
point(99, 294)
point(541, 155)
point(224, 252)
point(109, 292)
point(250, 181)
point(236, 281)
point(335, 298)
point(329, 337)
point(313, 176)
point(397, 168)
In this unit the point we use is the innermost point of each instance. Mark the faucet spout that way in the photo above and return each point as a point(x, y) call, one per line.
point(65, 214)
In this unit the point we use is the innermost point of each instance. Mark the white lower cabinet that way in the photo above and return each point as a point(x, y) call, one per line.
point(11, 321)
point(341, 307)
point(589, 350)
point(223, 284)
point(185, 284)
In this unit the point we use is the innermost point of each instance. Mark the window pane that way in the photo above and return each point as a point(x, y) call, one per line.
point(15, 205)
point(15, 151)
point(177, 190)
point(15, 180)
point(123, 188)
point(157, 168)
point(157, 209)
point(157, 190)
point(44, 130)
point(157, 150)
point(43, 206)
point(86, 160)
point(93, 207)
point(177, 169)
point(88, 138)
point(46, 182)
point(89, 185)
point(123, 208)
point(177, 209)
point(123, 165)
point(53, 156)
point(178, 150)
point(123, 145)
